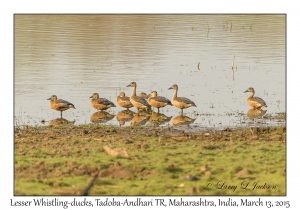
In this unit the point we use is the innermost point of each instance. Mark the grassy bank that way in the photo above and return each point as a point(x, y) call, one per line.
point(63, 161)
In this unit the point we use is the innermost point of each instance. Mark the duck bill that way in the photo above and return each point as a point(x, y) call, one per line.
point(91, 97)
point(246, 91)
point(170, 88)
point(49, 99)
point(128, 85)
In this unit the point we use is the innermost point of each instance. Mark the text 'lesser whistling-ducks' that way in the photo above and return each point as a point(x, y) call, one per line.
point(158, 101)
point(180, 102)
point(59, 104)
point(255, 102)
point(100, 103)
point(138, 102)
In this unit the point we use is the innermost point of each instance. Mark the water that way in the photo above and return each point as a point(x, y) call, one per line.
point(73, 56)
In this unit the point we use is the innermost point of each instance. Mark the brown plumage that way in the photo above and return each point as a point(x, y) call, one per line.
point(101, 117)
point(124, 116)
point(158, 101)
point(138, 102)
point(143, 95)
point(100, 103)
point(59, 104)
point(255, 102)
point(182, 120)
point(124, 101)
point(180, 102)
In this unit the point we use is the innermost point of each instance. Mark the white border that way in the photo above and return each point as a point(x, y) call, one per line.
point(8, 8)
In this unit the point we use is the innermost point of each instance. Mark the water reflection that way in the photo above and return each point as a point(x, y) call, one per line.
point(111, 50)
point(182, 120)
point(60, 122)
point(159, 119)
point(255, 113)
point(101, 117)
point(124, 116)
point(139, 119)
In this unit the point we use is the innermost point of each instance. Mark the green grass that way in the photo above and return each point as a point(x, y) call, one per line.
point(63, 160)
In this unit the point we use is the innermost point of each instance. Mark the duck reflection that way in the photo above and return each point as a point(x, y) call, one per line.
point(182, 120)
point(159, 119)
point(139, 119)
point(255, 113)
point(124, 116)
point(60, 122)
point(101, 117)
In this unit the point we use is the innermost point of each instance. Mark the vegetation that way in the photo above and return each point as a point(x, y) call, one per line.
point(62, 160)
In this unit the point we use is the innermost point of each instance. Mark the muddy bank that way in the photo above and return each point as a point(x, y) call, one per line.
point(100, 132)
point(59, 160)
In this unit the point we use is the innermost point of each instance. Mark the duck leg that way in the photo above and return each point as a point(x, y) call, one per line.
point(60, 114)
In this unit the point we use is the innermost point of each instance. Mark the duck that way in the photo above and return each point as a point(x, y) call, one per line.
point(100, 103)
point(180, 102)
point(138, 102)
point(59, 104)
point(158, 101)
point(255, 102)
point(144, 95)
point(124, 101)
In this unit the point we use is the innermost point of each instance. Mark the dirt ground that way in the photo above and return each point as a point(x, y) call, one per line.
point(136, 160)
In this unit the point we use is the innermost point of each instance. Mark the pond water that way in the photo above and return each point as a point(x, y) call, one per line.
point(212, 58)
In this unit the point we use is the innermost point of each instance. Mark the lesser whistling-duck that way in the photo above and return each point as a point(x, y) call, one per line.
point(180, 102)
point(144, 95)
point(100, 103)
point(124, 101)
point(255, 102)
point(59, 104)
point(158, 101)
point(138, 102)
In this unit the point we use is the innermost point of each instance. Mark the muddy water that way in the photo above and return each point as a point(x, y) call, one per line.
point(73, 56)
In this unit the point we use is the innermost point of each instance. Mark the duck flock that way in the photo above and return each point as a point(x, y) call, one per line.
point(145, 102)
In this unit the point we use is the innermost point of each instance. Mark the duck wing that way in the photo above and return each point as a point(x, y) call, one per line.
point(62, 102)
point(185, 100)
point(104, 101)
point(260, 101)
